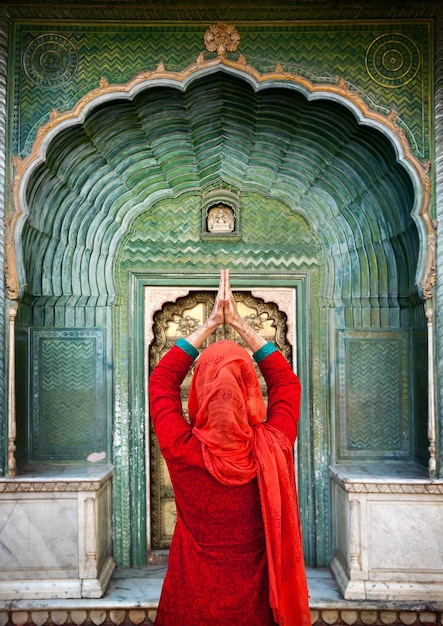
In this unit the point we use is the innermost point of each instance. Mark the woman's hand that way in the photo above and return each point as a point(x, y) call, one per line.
point(225, 311)
point(215, 319)
point(217, 315)
point(253, 340)
point(232, 316)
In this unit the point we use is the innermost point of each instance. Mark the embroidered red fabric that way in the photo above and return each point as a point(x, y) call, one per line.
point(218, 563)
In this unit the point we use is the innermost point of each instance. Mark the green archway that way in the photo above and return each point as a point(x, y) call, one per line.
point(295, 154)
point(348, 171)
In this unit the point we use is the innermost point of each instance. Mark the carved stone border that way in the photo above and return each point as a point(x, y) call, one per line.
point(20, 486)
point(391, 487)
point(4, 40)
point(42, 482)
point(322, 616)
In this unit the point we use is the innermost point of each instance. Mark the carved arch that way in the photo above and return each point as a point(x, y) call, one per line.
point(110, 227)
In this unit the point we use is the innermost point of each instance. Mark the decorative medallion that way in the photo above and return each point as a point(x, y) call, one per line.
point(392, 60)
point(50, 60)
point(222, 38)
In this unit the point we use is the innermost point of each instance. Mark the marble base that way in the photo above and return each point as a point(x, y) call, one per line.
point(387, 530)
point(55, 534)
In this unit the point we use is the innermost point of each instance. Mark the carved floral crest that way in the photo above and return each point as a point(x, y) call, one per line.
point(222, 38)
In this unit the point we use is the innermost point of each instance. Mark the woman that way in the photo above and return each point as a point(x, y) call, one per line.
point(236, 557)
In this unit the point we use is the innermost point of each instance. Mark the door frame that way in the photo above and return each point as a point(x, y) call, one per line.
point(261, 284)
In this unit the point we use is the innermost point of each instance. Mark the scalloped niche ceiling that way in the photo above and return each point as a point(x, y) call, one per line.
point(219, 130)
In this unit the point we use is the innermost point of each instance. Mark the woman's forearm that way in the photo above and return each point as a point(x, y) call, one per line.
point(253, 340)
point(199, 335)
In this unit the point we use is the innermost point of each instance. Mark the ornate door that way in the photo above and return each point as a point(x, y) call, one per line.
point(179, 319)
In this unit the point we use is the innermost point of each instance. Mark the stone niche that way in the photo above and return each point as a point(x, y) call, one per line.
point(221, 215)
point(55, 532)
point(387, 533)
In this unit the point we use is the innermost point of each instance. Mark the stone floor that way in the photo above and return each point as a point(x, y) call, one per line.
point(132, 597)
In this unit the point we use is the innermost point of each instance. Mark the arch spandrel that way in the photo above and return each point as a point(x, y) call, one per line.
point(117, 211)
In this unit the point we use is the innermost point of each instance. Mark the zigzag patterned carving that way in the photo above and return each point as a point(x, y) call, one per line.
point(321, 52)
point(374, 418)
point(374, 405)
point(68, 407)
point(151, 237)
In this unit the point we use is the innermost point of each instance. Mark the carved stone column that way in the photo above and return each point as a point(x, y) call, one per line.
point(4, 40)
point(438, 100)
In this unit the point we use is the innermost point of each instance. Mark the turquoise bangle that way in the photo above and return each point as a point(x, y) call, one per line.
point(187, 347)
point(264, 351)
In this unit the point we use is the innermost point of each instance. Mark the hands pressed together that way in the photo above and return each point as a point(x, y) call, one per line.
point(225, 308)
point(225, 312)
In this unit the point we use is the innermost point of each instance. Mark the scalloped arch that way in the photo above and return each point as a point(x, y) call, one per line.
point(122, 148)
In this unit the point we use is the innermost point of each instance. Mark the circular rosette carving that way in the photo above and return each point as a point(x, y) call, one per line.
point(50, 60)
point(392, 60)
point(222, 38)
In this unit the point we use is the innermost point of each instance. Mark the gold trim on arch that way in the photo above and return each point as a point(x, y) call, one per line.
point(278, 75)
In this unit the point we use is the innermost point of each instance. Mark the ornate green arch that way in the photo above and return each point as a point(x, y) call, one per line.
point(317, 147)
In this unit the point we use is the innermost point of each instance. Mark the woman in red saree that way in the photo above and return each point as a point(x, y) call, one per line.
point(236, 554)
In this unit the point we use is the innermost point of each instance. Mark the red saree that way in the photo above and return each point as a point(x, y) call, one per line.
point(249, 471)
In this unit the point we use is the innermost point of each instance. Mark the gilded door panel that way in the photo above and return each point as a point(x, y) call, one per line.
point(179, 319)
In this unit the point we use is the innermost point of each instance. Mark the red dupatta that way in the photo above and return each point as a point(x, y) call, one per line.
point(227, 411)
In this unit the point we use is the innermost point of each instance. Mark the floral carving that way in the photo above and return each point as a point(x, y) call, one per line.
point(222, 38)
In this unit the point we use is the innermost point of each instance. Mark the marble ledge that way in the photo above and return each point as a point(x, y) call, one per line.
point(57, 478)
point(387, 477)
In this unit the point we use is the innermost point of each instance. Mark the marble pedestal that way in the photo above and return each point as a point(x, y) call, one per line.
point(387, 533)
point(55, 532)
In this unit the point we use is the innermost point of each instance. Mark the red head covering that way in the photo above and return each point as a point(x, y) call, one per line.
point(227, 412)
